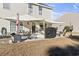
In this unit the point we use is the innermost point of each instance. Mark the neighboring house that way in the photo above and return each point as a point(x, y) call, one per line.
point(70, 19)
point(34, 11)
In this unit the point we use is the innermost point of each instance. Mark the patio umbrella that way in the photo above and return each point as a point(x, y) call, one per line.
point(17, 23)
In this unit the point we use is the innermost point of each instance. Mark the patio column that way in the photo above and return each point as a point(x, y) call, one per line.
point(23, 26)
point(44, 27)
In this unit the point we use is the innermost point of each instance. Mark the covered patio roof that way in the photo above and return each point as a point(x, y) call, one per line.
point(54, 22)
point(31, 18)
point(23, 18)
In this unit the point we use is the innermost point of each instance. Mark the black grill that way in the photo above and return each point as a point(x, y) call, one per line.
point(50, 32)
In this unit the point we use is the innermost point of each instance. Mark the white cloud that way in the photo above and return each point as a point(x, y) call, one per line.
point(75, 7)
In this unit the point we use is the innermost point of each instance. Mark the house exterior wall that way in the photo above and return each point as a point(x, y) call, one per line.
point(5, 24)
point(22, 9)
point(46, 13)
point(15, 8)
point(70, 18)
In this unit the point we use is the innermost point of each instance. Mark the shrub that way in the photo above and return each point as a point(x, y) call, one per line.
point(67, 29)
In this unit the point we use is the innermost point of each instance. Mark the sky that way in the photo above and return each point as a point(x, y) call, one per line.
point(61, 8)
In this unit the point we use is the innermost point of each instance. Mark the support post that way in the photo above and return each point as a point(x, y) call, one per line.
point(44, 27)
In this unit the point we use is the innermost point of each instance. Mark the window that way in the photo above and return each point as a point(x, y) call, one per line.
point(21, 23)
point(30, 8)
point(12, 26)
point(21, 27)
point(6, 5)
point(41, 25)
point(40, 10)
point(27, 23)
